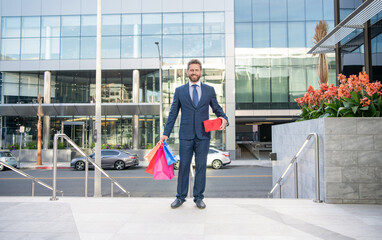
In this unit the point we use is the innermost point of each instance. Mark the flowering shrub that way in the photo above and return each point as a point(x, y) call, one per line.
point(355, 97)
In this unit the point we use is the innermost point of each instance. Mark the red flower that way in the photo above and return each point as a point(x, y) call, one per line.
point(365, 102)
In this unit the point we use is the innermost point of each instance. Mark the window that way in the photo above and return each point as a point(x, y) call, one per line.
point(151, 24)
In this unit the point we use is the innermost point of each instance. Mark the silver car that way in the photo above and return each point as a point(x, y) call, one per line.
point(110, 158)
point(6, 157)
point(215, 159)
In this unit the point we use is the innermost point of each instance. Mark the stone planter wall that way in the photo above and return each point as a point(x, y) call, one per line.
point(350, 159)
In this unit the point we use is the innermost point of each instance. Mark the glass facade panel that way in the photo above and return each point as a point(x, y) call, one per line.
point(111, 25)
point(89, 25)
point(296, 10)
point(10, 49)
point(50, 48)
point(131, 24)
point(244, 7)
point(296, 34)
point(30, 48)
point(309, 33)
point(131, 47)
point(243, 35)
point(261, 35)
point(111, 47)
point(244, 85)
point(193, 46)
point(88, 47)
point(261, 85)
point(214, 22)
point(151, 24)
point(70, 48)
point(10, 27)
point(260, 10)
point(70, 26)
point(30, 27)
point(172, 23)
point(280, 84)
point(150, 49)
point(278, 35)
point(50, 26)
point(172, 46)
point(314, 10)
point(278, 10)
point(214, 45)
point(193, 23)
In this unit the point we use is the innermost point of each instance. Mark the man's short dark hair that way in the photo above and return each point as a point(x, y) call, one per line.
point(194, 61)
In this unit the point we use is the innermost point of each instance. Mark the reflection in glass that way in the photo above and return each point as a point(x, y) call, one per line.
point(88, 47)
point(172, 23)
point(313, 10)
point(10, 49)
point(193, 23)
point(278, 34)
point(261, 35)
point(214, 45)
point(193, 45)
point(278, 10)
point(131, 24)
point(149, 48)
point(111, 47)
point(151, 24)
point(243, 35)
point(131, 47)
point(280, 84)
point(10, 27)
point(260, 11)
point(30, 48)
point(50, 48)
point(296, 34)
point(50, 26)
point(261, 85)
point(111, 25)
point(243, 11)
point(70, 48)
point(244, 88)
point(89, 25)
point(172, 46)
point(30, 27)
point(214, 22)
point(70, 26)
point(149, 87)
point(296, 10)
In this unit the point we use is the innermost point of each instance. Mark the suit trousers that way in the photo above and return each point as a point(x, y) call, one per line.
point(186, 150)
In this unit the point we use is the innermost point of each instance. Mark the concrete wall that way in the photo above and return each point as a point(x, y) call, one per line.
point(350, 159)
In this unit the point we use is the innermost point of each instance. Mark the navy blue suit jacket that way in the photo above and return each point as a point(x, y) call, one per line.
point(191, 123)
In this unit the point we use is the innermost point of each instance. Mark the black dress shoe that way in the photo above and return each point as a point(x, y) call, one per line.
point(177, 203)
point(200, 204)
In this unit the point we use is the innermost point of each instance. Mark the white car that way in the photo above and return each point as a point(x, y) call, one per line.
point(6, 157)
point(215, 159)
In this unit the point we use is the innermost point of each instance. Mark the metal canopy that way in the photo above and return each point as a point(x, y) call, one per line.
point(79, 109)
point(356, 19)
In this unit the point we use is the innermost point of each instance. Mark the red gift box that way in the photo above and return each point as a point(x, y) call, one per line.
point(212, 125)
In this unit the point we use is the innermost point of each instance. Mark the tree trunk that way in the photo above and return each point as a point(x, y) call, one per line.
point(39, 159)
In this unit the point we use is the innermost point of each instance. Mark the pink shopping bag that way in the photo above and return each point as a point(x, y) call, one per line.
point(162, 170)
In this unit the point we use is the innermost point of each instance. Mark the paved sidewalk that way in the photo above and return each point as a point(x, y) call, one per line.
point(152, 218)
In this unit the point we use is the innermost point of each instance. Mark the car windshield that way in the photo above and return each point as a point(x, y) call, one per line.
point(5, 154)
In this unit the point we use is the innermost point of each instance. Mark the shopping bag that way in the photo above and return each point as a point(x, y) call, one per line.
point(170, 157)
point(212, 125)
point(152, 152)
point(162, 170)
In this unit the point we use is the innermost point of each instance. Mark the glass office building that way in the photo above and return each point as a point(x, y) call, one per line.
point(254, 54)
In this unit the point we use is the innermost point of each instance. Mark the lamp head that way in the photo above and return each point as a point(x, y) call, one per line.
point(156, 43)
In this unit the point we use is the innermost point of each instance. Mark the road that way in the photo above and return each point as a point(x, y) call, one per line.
point(228, 182)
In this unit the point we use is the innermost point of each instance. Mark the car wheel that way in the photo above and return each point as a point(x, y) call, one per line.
point(119, 165)
point(176, 165)
point(216, 164)
point(1, 167)
point(79, 166)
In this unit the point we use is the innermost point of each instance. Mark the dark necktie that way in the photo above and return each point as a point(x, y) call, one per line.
point(195, 98)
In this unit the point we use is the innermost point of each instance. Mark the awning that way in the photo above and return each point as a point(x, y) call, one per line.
point(356, 19)
point(79, 109)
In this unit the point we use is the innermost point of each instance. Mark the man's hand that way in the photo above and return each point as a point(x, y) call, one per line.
point(224, 123)
point(163, 138)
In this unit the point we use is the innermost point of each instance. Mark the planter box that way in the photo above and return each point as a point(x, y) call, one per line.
point(350, 159)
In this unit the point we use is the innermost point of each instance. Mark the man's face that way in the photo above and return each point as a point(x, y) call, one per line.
point(194, 72)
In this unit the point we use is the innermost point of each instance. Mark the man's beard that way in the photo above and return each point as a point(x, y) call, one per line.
point(192, 80)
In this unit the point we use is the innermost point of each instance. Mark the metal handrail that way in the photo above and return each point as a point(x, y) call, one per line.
point(88, 159)
point(32, 178)
point(294, 162)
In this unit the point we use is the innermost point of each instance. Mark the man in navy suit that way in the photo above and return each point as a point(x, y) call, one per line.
point(194, 99)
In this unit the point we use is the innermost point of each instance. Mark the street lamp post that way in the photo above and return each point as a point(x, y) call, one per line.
point(160, 92)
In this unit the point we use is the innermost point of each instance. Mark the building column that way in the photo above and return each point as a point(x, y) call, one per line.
point(135, 117)
point(46, 122)
point(367, 49)
point(337, 20)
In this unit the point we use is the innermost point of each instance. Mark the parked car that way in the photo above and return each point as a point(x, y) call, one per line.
point(215, 159)
point(110, 158)
point(6, 157)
